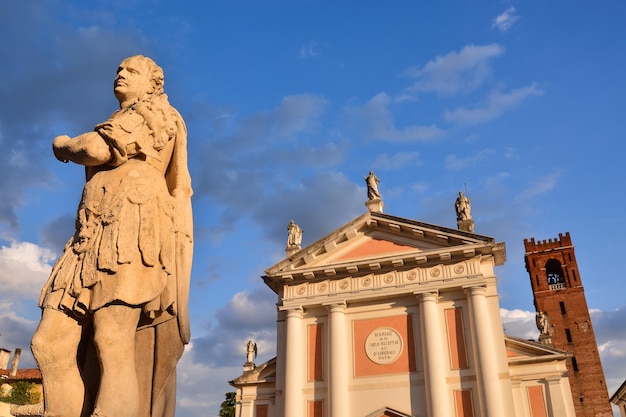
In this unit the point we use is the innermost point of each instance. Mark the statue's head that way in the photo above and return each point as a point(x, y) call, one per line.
point(137, 77)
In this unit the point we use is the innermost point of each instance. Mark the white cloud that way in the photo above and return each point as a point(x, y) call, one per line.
point(610, 335)
point(309, 50)
point(375, 121)
point(251, 310)
point(609, 331)
point(540, 186)
point(247, 316)
point(24, 268)
point(454, 72)
point(419, 187)
point(506, 20)
point(397, 160)
point(519, 323)
point(455, 163)
point(202, 388)
point(16, 332)
point(297, 114)
point(496, 104)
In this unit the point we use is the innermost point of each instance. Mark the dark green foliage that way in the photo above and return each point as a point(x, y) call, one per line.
point(22, 393)
point(227, 409)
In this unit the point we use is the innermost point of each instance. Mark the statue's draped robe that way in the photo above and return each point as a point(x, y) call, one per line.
point(133, 245)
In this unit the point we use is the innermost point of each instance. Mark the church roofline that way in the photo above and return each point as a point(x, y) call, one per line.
point(461, 245)
point(548, 353)
point(252, 377)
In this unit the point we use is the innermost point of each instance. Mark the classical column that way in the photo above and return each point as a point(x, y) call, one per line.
point(339, 360)
point(486, 368)
point(294, 364)
point(434, 354)
point(556, 399)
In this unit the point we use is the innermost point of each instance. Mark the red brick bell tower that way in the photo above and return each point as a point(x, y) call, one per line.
point(558, 292)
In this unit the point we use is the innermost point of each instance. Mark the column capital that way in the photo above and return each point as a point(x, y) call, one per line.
point(427, 296)
point(296, 312)
point(336, 307)
point(476, 290)
point(554, 379)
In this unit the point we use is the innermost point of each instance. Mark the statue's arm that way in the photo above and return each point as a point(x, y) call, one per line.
point(88, 149)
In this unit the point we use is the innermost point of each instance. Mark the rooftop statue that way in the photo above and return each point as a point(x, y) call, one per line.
point(251, 351)
point(543, 322)
point(372, 186)
point(463, 207)
point(117, 297)
point(294, 238)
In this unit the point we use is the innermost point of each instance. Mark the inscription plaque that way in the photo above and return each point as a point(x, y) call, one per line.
point(384, 345)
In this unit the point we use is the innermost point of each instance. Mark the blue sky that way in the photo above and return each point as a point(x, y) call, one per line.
point(289, 104)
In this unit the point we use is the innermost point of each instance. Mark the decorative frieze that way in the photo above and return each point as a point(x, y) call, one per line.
point(381, 281)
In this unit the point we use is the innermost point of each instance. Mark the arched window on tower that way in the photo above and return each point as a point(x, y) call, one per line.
point(556, 279)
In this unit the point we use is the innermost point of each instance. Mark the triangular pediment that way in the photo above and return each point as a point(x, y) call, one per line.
point(520, 350)
point(388, 412)
point(263, 373)
point(376, 241)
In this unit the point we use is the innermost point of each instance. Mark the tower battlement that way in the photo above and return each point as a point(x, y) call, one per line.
point(563, 241)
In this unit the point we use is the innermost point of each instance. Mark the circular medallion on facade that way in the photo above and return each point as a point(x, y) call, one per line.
point(388, 279)
point(412, 276)
point(366, 281)
point(344, 284)
point(384, 345)
point(322, 287)
point(459, 269)
point(300, 290)
point(435, 272)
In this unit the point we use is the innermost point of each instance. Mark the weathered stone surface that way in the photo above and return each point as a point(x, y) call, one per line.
point(116, 300)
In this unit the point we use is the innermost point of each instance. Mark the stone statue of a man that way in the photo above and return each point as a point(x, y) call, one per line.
point(372, 186)
point(114, 318)
point(543, 322)
point(463, 207)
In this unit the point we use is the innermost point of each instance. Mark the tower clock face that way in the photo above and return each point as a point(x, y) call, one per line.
point(554, 278)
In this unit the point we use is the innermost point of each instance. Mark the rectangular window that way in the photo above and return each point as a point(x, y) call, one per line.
point(261, 410)
point(568, 335)
point(463, 402)
point(574, 364)
point(562, 305)
point(315, 353)
point(316, 409)
point(537, 401)
point(456, 339)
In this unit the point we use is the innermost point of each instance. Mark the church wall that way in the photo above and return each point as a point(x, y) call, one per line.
point(257, 400)
point(280, 364)
point(401, 385)
point(398, 385)
point(551, 376)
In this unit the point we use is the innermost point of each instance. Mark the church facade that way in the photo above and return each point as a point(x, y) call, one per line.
point(388, 316)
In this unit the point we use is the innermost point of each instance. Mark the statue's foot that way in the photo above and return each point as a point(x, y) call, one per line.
point(28, 410)
point(97, 413)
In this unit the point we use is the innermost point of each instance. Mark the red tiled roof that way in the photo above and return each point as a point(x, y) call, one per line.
point(26, 374)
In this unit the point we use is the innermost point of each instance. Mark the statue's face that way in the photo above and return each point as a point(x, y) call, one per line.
point(132, 80)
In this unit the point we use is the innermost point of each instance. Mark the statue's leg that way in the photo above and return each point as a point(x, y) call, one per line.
point(55, 348)
point(114, 336)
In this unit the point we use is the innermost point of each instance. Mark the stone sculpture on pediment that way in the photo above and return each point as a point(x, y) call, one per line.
point(116, 299)
point(294, 238)
point(251, 351)
point(372, 186)
point(543, 322)
point(463, 207)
